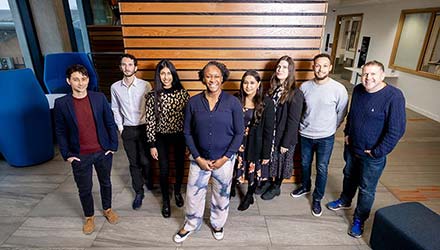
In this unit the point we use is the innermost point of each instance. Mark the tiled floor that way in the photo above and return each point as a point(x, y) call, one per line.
point(40, 209)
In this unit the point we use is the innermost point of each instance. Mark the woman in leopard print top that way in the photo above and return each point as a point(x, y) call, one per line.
point(165, 110)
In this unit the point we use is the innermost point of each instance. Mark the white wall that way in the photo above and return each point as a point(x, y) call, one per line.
point(380, 23)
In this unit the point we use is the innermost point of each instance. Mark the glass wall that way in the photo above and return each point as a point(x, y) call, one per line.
point(11, 56)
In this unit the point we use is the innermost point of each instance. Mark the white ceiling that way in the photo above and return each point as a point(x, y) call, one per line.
point(347, 3)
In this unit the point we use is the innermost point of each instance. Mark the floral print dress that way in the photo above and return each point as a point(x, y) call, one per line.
point(247, 170)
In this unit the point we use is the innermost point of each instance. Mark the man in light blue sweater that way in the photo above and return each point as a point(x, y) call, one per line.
point(325, 109)
point(375, 124)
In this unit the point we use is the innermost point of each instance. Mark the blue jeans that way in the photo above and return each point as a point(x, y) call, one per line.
point(323, 148)
point(364, 172)
point(83, 175)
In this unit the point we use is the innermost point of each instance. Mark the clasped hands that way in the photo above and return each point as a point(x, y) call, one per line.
point(210, 165)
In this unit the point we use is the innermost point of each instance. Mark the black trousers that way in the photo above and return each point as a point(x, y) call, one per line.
point(163, 144)
point(83, 175)
point(135, 144)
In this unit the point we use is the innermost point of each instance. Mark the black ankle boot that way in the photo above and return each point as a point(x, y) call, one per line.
point(166, 209)
point(272, 191)
point(179, 199)
point(246, 202)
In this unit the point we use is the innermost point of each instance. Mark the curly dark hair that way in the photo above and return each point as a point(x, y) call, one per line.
point(76, 68)
point(222, 67)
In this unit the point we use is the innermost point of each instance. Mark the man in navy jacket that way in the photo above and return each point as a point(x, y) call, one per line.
point(87, 136)
point(375, 124)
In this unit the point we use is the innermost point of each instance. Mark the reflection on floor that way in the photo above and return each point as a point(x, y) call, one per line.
point(40, 209)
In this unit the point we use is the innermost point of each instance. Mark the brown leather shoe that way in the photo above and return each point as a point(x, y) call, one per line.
point(111, 216)
point(89, 225)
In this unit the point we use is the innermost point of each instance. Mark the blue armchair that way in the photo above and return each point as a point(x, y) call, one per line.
point(55, 66)
point(25, 120)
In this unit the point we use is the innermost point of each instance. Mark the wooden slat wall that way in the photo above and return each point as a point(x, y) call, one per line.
point(242, 34)
point(107, 45)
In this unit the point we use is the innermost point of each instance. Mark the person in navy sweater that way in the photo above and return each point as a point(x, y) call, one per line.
point(87, 136)
point(375, 123)
point(213, 129)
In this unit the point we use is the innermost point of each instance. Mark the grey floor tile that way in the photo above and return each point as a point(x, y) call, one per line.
point(18, 204)
point(239, 231)
point(151, 205)
point(52, 167)
point(285, 205)
point(9, 225)
point(31, 184)
point(39, 248)
point(132, 248)
point(138, 232)
point(53, 232)
point(364, 247)
point(64, 204)
point(343, 247)
point(322, 231)
point(213, 247)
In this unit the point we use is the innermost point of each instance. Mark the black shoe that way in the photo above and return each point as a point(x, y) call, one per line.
point(166, 209)
point(149, 185)
point(272, 191)
point(262, 188)
point(233, 193)
point(137, 202)
point(246, 202)
point(299, 192)
point(179, 199)
point(316, 208)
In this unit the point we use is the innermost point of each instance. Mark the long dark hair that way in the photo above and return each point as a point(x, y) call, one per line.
point(289, 83)
point(158, 86)
point(258, 98)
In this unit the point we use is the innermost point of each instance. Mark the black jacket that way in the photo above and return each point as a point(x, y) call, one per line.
point(261, 135)
point(288, 116)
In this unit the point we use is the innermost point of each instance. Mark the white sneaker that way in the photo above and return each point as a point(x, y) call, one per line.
point(218, 235)
point(178, 238)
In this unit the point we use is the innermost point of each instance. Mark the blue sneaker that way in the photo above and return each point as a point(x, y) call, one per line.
point(337, 205)
point(357, 228)
point(137, 202)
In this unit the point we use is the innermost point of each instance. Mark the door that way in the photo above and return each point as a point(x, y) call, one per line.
point(344, 50)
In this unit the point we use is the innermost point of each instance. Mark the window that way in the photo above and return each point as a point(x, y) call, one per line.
point(10, 52)
point(416, 47)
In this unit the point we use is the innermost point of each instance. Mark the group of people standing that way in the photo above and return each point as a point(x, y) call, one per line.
point(250, 137)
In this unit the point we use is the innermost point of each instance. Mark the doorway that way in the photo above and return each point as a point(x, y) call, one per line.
point(345, 41)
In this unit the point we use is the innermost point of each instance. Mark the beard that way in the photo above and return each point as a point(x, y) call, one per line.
point(129, 74)
point(320, 78)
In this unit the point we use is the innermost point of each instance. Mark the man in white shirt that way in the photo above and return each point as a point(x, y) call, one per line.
point(325, 109)
point(128, 106)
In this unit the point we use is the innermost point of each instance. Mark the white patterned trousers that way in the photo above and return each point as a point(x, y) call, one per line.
point(196, 190)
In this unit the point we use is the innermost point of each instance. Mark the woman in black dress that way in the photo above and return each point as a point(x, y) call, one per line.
point(254, 153)
point(288, 101)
